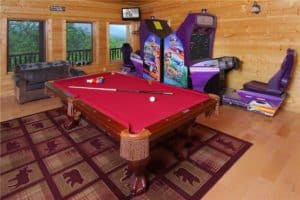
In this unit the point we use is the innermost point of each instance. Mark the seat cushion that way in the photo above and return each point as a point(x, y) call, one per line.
point(261, 87)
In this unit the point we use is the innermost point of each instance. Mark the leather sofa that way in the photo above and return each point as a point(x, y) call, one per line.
point(30, 78)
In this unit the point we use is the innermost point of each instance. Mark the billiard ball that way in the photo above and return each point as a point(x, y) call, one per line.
point(89, 80)
point(151, 99)
point(100, 79)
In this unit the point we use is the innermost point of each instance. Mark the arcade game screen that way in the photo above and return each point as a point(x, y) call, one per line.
point(199, 45)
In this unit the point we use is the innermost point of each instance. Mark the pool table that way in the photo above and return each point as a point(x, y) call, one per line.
point(121, 106)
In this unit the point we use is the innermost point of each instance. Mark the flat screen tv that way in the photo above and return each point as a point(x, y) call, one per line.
point(131, 13)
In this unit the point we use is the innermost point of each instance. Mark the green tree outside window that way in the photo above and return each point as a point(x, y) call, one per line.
point(79, 42)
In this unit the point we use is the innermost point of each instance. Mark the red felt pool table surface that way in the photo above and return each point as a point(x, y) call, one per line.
point(133, 110)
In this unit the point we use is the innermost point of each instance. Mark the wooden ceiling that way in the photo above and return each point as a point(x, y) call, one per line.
point(129, 2)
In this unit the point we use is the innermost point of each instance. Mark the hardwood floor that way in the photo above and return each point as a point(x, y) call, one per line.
point(10, 109)
point(270, 169)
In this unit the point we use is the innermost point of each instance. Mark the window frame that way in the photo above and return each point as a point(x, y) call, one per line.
point(92, 37)
point(42, 39)
point(128, 39)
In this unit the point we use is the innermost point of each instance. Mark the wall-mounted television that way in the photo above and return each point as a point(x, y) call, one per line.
point(131, 13)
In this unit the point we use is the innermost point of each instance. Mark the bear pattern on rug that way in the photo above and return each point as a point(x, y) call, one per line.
point(42, 160)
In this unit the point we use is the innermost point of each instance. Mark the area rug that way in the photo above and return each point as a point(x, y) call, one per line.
point(42, 160)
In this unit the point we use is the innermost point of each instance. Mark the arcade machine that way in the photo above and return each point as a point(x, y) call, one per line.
point(188, 55)
point(152, 34)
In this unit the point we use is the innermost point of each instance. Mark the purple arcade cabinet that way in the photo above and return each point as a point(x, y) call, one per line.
point(190, 63)
point(264, 98)
point(197, 33)
point(152, 34)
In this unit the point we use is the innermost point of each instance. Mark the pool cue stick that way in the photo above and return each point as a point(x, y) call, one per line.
point(122, 90)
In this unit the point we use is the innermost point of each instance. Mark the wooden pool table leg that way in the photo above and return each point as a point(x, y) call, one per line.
point(135, 149)
point(73, 121)
point(189, 135)
point(183, 141)
point(138, 180)
point(73, 114)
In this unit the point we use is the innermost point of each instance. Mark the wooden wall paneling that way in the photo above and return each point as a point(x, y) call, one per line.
point(58, 42)
point(96, 43)
point(49, 39)
point(104, 40)
point(64, 39)
point(6, 79)
point(3, 45)
point(134, 35)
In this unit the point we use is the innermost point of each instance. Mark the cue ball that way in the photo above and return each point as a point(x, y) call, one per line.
point(152, 99)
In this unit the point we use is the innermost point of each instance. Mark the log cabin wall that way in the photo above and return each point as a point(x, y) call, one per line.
point(259, 40)
point(99, 13)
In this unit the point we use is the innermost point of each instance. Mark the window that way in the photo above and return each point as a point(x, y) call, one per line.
point(118, 34)
point(25, 42)
point(79, 43)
